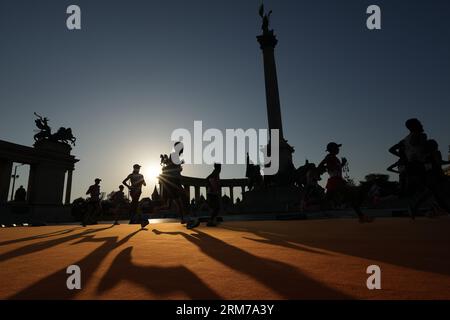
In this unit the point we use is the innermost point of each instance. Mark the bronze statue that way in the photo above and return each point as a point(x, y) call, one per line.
point(42, 124)
point(63, 135)
point(253, 173)
point(265, 19)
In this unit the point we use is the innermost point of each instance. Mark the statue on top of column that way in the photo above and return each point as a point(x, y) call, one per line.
point(63, 135)
point(265, 19)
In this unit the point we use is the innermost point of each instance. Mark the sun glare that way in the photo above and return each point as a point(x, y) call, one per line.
point(152, 172)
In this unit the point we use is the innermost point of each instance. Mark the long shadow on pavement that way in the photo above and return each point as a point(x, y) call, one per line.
point(54, 286)
point(40, 236)
point(157, 280)
point(43, 245)
point(282, 278)
point(420, 245)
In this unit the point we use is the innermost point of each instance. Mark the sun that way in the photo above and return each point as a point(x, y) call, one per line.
point(151, 172)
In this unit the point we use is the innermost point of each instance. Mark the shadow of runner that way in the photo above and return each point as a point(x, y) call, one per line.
point(276, 240)
point(419, 245)
point(282, 278)
point(54, 286)
point(40, 236)
point(36, 247)
point(157, 280)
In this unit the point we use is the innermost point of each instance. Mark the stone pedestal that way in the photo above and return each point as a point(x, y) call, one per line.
point(49, 162)
point(47, 177)
point(274, 199)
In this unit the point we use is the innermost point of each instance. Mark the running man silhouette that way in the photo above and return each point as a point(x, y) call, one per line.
point(93, 204)
point(213, 194)
point(118, 200)
point(338, 190)
point(435, 181)
point(413, 148)
point(170, 179)
point(136, 182)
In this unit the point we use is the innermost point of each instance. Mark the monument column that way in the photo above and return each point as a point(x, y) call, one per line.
point(5, 179)
point(187, 189)
point(231, 194)
point(68, 187)
point(197, 193)
point(268, 42)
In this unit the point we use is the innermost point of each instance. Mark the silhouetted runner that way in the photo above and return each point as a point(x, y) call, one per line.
point(136, 182)
point(213, 194)
point(435, 181)
point(313, 193)
point(118, 200)
point(93, 203)
point(338, 190)
point(401, 170)
point(170, 178)
point(413, 148)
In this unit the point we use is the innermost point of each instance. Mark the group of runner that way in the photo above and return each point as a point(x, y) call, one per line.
point(419, 168)
point(134, 182)
point(173, 194)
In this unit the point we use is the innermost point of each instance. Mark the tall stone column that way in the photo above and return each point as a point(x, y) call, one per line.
point(187, 189)
point(68, 187)
point(197, 193)
point(231, 194)
point(268, 42)
point(5, 179)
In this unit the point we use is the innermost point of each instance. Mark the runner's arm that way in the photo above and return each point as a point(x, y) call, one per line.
point(395, 149)
point(124, 182)
point(322, 167)
point(391, 168)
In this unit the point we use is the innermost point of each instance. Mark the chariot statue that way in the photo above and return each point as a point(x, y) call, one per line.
point(63, 135)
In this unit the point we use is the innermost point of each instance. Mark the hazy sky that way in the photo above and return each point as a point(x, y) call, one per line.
point(140, 69)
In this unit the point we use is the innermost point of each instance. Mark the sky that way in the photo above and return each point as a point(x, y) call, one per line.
point(137, 70)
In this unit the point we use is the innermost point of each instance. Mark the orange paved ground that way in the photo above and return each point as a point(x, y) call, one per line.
point(324, 259)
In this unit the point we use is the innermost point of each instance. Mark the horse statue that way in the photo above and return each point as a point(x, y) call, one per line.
point(63, 135)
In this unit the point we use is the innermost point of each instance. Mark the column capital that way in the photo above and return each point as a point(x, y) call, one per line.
point(267, 40)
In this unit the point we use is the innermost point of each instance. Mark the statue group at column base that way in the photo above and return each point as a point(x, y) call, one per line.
point(273, 193)
point(271, 199)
